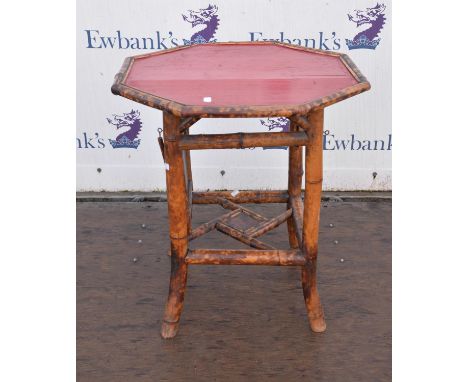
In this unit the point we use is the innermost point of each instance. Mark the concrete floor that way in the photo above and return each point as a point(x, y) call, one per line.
point(240, 323)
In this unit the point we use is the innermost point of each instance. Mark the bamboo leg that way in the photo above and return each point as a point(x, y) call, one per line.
point(294, 184)
point(188, 173)
point(177, 202)
point(313, 190)
point(298, 217)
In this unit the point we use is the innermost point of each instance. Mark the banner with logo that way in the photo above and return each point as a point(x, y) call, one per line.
point(116, 139)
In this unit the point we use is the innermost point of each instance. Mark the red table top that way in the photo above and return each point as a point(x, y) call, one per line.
point(240, 74)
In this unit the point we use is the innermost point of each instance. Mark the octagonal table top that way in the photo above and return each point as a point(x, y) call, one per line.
point(239, 79)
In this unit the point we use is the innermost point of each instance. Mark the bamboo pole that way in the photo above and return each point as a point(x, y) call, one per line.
point(245, 257)
point(268, 225)
point(295, 173)
point(256, 196)
point(232, 206)
point(297, 217)
point(211, 225)
point(189, 178)
point(177, 203)
point(239, 235)
point(242, 140)
point(303, 123)
point(186, 123)
point(313, 190)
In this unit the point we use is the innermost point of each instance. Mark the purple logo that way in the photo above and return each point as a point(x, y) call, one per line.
point(207, 19)
point(131, 123)
point(280, 123)
point(368, 38)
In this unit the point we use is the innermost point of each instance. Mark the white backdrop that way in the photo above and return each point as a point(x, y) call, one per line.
point(357, 149)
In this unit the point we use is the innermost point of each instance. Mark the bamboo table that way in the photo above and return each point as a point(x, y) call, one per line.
point(233, 80)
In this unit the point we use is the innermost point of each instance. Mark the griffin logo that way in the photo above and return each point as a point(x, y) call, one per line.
point(131, 124)
point(206, 22)
point(374, 20)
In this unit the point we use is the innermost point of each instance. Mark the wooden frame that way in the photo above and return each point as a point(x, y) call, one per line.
point(302, 217)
